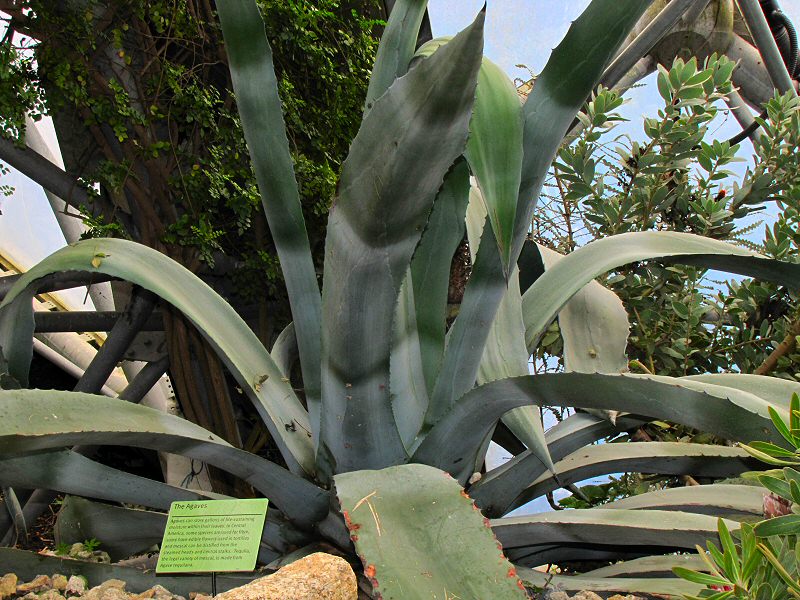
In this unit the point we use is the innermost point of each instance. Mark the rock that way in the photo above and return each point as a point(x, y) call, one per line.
point(586, 596)
point(318, 576)
point(50, 595)
point(157, 592)
point(113, 589)
point(76, 585)
point(39, 583)
point(59, 582)
point(79, 551)
point(557, 596)
point(8, 585)
point(628, 597)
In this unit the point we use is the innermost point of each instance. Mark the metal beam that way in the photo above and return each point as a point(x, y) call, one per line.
point(145, 380)
point(646, 40)
point(63, 280)
point(119, 339)
point(765, 42)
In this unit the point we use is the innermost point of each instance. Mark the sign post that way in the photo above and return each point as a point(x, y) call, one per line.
point(211, 536)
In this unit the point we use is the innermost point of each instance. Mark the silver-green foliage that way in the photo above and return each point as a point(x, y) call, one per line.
point(384, 385)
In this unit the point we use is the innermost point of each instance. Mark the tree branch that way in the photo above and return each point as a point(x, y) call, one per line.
point(787, 346)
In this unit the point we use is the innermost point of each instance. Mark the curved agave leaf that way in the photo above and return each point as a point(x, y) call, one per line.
point(388, 186)
point(430, 267)
point(571, 73)
point(418, 534)
point(72, 473)
point(284, 351)
point(727, 412)
point(504, 354)
point(32, 420)
point(594, 326)
point(408, 390)
point(669, 586)
point(646, 528)
point(649, 566)
point(545, 298)
point(594, 329)
point(719, 500)
point(228, 334)
point(494, 149)
point(124, 532)
point(778, 392)
point(498, 488)
point(666, 458)
point(396, 48)
point(256, 90)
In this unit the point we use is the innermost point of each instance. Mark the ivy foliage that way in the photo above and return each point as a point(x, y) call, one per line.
point(142, 101)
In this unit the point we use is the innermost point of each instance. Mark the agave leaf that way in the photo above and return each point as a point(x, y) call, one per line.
point(123, 532)
point(27, 565)
point(665, 529)
point(664, 585)
point(649, 566)
point(284, 351)
point(388, 186)
point(32, 420)
point(396, 48)
point(430, 267)
point(718, 500)
point(72, 473)
point(571, 73)
point(545, 298)
point(467, 337)
point(498, 488)
point(667, 458)
point(504, 354)
point(408, 390)
point(418, 535)
point(594, 326)
point(228, 334)
point(726, 412)
point(494, 149)
point(778, 392)
point(256, 90)
point(594, 329)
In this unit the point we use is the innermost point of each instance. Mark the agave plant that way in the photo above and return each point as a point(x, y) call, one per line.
point(382, 453)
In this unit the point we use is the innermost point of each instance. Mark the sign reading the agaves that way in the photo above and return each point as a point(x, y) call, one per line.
point(212, 535)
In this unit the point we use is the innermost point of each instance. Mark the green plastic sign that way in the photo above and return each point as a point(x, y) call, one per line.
point(212, 536)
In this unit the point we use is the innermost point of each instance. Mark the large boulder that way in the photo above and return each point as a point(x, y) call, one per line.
point(318, 576)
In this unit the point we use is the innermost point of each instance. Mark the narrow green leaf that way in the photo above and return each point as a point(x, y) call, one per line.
point(226, 332)
point(783, 428)
point(396, 48)
point(388, 186)
point(701, 578)
point(785, 525)
point(731, 556)
point(256, 90)
point(568, 78)
point(419, 536)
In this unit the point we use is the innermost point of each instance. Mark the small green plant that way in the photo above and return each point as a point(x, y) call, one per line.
point(62, 549)
point(765, 564)
point(91, 544)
